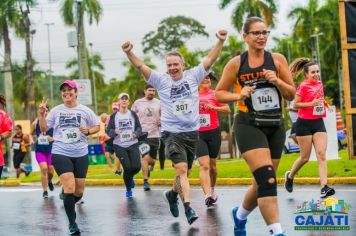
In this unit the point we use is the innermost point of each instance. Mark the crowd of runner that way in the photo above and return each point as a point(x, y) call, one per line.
point(184, 120)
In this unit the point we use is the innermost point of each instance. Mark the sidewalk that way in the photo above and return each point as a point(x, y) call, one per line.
point(193, 181)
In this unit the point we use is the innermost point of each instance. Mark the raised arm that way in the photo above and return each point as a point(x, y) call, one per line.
point(215, 51)
point(136, 61)
point(41, 115)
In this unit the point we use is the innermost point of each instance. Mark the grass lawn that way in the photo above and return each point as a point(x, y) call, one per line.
point(230, 168)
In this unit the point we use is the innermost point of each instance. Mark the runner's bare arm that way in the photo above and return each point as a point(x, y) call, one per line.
point(41, 115)
point(136, 61)
point(283, 80)
point(215, 51)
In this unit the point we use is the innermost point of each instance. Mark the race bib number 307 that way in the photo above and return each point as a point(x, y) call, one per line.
point(71, 135)
point(182, 107)
point(265, 99)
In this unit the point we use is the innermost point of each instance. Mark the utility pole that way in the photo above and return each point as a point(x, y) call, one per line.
point(50, 62)
point(93, 78)
point(316, 36)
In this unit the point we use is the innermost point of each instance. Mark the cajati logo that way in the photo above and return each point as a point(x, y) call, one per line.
point(328, 214)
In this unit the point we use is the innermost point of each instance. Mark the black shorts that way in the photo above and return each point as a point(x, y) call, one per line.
point(154, 146)
point(18, 158)
point(309, 127)
point(293, 129)
point(180, 147)
point(251, 137)
point(109, 148)
point(209, 143)
point(77, 165)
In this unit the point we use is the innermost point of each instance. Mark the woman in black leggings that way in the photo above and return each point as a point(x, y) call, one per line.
point(125, 128)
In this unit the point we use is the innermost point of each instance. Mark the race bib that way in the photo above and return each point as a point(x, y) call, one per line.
point(125, 135)
point(204, 120)
point(318, 110)
point(71, 135)
point(265, 99)
point(144, 148)
point(43, 140)
point(182, 107)
point(16, 146)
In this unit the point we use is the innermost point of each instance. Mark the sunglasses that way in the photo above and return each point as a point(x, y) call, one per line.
point(259, 33)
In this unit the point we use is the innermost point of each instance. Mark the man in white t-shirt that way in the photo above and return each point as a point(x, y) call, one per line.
point(148, 110)
point(178, 92)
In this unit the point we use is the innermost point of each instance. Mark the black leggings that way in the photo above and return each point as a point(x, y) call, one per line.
point(162, 157)
point(1, 171)
point(130, 160)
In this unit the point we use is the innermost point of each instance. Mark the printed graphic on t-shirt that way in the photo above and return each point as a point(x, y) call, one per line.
point(125, 128)
point(149, 111)
point(180, 91)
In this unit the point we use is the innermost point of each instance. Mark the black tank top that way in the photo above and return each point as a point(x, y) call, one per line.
point(266, 96)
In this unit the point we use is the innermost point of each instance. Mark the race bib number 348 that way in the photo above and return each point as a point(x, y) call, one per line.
point(265, 99)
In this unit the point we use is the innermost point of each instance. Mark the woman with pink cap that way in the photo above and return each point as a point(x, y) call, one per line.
point(72, 123)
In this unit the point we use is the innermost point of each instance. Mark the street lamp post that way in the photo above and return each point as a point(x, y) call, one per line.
point(93, 78)
point(50, 61)
point(316, 36)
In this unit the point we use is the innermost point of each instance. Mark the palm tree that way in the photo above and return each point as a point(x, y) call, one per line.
point(262, 8)
point(94, 10)
point(8, 15)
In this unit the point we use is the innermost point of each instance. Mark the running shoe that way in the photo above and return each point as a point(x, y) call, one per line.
point(80, 202)
point(146, 186)
point(280, 234)
point(61, 195)
point(326, 191)
point(128, 194)
point(191, 215)
point(239, 225)
point(209, 201)
point(45, 194)
point(50, 186)
point(118, 172)
point(173, 202)
point(27, 173)
point(74, 230)
point(132, 183)
point(288, 183)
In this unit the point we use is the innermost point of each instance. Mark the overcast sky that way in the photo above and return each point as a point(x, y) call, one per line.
point(128, 20)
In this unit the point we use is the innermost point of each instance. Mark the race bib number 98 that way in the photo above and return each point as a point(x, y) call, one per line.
point(265, 99)
point(43, 140)
point(318, 110)
point(71, 135)
point(182, 107)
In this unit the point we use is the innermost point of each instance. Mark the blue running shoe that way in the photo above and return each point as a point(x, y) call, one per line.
point(74, 230)
point(128, 194)
point(132, 183)
point(280, 234)
point(239, 225)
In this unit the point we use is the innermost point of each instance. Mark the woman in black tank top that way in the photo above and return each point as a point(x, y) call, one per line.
point(261, 79)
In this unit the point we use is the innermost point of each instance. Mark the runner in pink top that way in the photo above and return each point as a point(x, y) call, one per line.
point(5, 129)
point(310, 91)
point(209, 137)
point(310, 128)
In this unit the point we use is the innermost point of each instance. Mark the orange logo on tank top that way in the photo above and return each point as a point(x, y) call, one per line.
point(251, 76)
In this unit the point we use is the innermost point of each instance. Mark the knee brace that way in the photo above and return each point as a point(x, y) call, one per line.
point(266, 181)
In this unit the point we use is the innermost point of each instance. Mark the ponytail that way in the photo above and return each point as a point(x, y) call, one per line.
point(299, 65)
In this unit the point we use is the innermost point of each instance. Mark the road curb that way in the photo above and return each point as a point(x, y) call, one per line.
point(193, 181)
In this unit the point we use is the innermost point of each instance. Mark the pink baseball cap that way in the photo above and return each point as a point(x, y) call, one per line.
point(70, 83)
point(115, 105)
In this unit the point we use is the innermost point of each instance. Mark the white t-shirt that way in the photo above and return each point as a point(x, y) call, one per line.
point(126, 125)
point(292, 114)
point(149, 114)
point(179, 99)
point(68, 140)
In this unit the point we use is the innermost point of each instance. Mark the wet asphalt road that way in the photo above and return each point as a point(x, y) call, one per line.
point(107, 212)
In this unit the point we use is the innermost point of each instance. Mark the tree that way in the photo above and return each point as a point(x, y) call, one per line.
point(8, 15)
point(94, 11)
point(262, 8)
point(171, 34)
